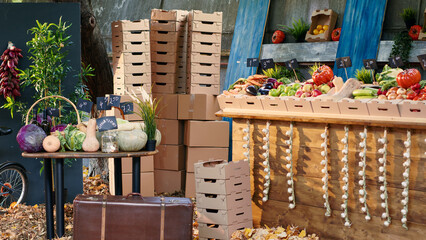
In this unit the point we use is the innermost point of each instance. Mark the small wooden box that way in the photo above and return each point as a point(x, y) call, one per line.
point(412, 109)
point(226, 217)
point(327, 106)
point(250, 102)
point(205, 37)
point(273, 103)
point(295, 104)
point(126, 25)
point(349, 106)
point(228, 102)
point(321, 17)
point(197, 15)
point(202, 47)
point(202, 78)
point(383, 108)
point(196, 88)
point(199, 26)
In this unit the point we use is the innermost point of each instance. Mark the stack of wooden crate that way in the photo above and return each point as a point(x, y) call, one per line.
point(168, 49)
point(204, 48)
point(223, 198)
point(131, 57)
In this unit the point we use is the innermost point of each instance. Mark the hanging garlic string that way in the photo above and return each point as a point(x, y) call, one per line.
point(406, 182)
point(345, 171)
point(324, 162)
point(246, 138)
point(289, 165)
point(362, 182)
point(382, 169)
point(267, 169)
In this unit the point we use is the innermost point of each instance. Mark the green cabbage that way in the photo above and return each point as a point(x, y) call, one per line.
point(72, 139)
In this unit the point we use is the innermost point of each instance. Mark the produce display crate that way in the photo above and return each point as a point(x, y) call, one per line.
point(137, 67)
point(203, 47)
point(328, 106)
point(212, 89)
point(203, 78)
point(217, 231)
point(168, 36)
point(204, 68)
point(202, 57)
point(350, 106)
point(321, 17)
point(205, 37)
point(169, 15)
point(130, 47)
point(164, 67)
point(412, 109)
point(160, 56)
point(384, 108)
point(225, 217)
point(120, 89)
point(205, 26)
point(122, 78)
point(223, 202)
point(126, 25)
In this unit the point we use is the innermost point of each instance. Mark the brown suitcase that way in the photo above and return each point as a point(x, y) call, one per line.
point(132, 217)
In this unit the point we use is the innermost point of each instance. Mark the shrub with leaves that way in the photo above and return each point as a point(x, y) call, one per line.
point(298, 30)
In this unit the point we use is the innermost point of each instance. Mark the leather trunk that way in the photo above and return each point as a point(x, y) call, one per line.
point(132, 217)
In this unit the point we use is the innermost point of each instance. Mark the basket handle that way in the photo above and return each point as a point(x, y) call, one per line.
point(53, 96)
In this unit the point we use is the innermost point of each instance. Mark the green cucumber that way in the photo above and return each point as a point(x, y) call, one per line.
point(363, 92)
point(364, 97)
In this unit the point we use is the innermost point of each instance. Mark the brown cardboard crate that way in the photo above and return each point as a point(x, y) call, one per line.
point(190, 185)
point(412, 109)
point(250, 102)
point(221, 201)
point(133, 36)
point(202, 154)
point(164, 25)
point(169, 15)
point(295, 104)
point(206, 133)
point(200, 26)
point(273, 104)
point(203, 78)
point(197, 107)
point(132, 78)
point(169, 181)
point(226, 217)
point(164, 67)
point(221, 186)
point(204, 57)
point(120, 89)
point(349, 106)
point(222, 232)
point(170, 157)
point(126, 25)
point(164, 57)
point(127, 47)
point(203, 47)
point(209, 68)
point(142, 67)
point(147, 184)
point(167, 36)
point(230, 101)
point(205, 37)
point(137, 57)
point(164, 87)
point(385, 108)
point(171, 131)
point(198, 15)
point(321, 17)
point(197, 88)
point(167, 105)
point(221, 169)
point(147, 164)
point(164, 77)
point(163, 46)
point(327, 106)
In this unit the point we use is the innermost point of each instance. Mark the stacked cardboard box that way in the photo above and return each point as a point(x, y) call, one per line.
point(168, 49)
point(204, 140)
point(131, 56)
point(204, 48)
point(223, 198)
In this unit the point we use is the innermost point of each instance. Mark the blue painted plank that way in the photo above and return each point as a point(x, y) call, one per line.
point(361, 31)
point(247, 39)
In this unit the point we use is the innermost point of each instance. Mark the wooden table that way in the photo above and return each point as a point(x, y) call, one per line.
point(59, 166)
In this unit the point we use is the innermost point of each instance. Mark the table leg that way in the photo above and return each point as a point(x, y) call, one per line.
point(60, 228)
point(47, 164)
point(118, 182)
point(136, 175)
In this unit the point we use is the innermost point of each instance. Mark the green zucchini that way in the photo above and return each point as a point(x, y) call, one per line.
point(363, 92)
point(364, 97)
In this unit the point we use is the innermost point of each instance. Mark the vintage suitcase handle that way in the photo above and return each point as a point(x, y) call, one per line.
point(134, 194)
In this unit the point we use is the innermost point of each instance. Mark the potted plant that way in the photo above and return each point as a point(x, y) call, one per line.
point(298, 30)
point(147, 110)
point(409, 17)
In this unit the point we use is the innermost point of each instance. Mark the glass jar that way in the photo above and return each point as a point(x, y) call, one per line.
point(110, 142)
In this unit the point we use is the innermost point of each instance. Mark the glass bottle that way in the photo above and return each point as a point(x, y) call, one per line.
point(110, 142)
point(45, 125)
point(34, 119)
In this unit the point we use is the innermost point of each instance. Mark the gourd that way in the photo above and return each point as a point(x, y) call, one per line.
point(133, 140)
point(91, 144)
point(51, 143)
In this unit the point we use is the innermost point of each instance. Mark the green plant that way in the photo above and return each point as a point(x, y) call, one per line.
point(279, 72)
point(364, 75)
point(298, 30)
point(401, 46)
point(408, 14)
point(147, 111)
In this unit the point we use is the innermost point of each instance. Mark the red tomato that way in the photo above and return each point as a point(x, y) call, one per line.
point(415, 31)
point(408, 78)
point(335, 35)
point(322, 75)
point(411, 95)
point(278, 37)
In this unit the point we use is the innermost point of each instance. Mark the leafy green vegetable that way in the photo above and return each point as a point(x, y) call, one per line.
point(364, 75)
point(422, 83)
point(72, 139)
point(298, 30)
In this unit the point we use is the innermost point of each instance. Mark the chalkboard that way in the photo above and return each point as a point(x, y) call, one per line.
point(396, 62)
point(343, 62)
point(114, 101)
point(84, 105)
point(252, 62)
point(267, 63)
point(127, 107)
point(292, 64)
point(422, 61)
point(370, 63)
point(102, 103)
point(53, 112)
point(106, 123)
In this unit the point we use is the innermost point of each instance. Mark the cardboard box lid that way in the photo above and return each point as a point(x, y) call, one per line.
point(207, 133)
point(197, 107)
